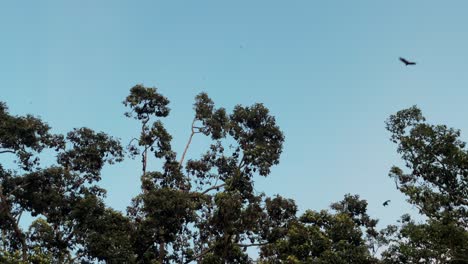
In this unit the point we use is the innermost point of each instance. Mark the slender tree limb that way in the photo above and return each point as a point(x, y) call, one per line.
point(144, 155)
point(242, 162)
point(254, 245)
point(212, 188)
point(203, 253)
point(19, 217)
point(133, 139)
point(188, 143)
point(144, 158)
point(18, 187)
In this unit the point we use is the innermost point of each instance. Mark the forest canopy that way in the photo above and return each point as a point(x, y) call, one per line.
point(206, 210)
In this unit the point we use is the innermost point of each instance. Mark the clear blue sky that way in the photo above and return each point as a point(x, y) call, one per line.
point(328, 70)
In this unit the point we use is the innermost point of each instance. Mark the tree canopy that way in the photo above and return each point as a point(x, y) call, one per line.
point(206, 209)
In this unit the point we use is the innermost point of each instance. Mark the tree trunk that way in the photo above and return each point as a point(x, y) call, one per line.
point(19, 234)
point(162, 252)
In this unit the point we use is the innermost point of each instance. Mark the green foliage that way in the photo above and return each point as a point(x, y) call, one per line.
point(430, 242)
point(438, 163)
point(25, 137)
point(258, 136)
point(437, 183)
point(146, 102)
point(324, 237)
point(63, 194)
point(212, 206)
point(205, 209)
point(214, 122)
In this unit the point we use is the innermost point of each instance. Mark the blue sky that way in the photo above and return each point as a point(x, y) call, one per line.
point(328, 71)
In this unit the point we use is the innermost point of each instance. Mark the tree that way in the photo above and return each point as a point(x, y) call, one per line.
point(325, 237)
point(437, 184)
point(209, 212)
point(23, 137)
point(63, 195)
point(205, 208)
point(430, 242)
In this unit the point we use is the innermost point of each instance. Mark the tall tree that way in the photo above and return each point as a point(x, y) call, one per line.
point(437, 184)
point(212, 206)
point(205, 208)
point(24, 137)
point(63, 195)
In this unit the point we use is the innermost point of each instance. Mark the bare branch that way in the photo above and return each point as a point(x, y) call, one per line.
point(204, 252)
point(254, 245)
point(129, 143)
point(188, 143)
point(213, 187)
point(19, 217)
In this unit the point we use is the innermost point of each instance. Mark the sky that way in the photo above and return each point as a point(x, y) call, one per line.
point(327, 70)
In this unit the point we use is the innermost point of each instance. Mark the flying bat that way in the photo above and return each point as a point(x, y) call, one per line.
point(386, 203)
point(407, 62)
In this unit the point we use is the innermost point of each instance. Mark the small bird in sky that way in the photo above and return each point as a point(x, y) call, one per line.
point(386, 203)
point(407, 62)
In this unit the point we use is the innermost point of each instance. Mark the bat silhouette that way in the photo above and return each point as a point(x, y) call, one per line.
point(386, 203)
point(407, 62)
